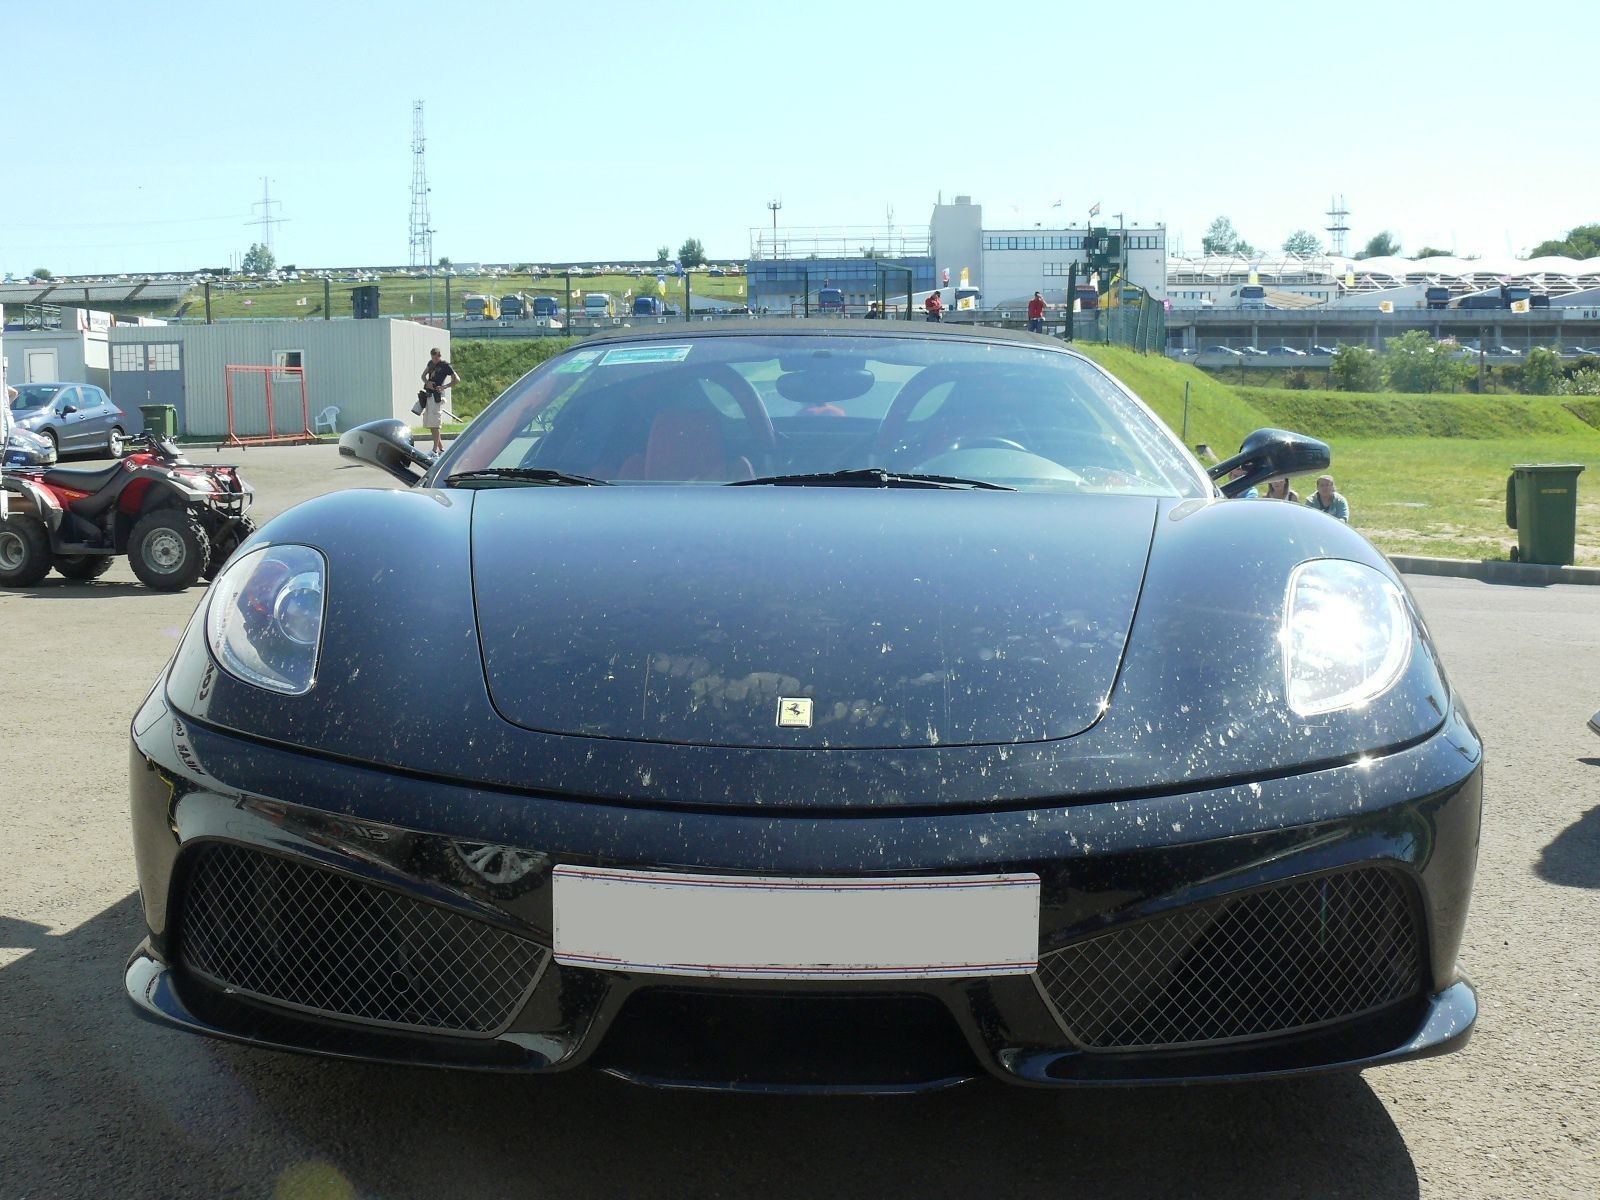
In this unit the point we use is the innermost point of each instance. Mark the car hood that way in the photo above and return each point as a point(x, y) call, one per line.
point(805, 617)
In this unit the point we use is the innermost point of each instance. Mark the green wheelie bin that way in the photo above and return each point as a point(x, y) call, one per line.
point(160, 419)
point(1542, 506)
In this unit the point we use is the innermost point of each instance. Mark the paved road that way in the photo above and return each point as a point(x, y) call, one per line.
point(95, 1103)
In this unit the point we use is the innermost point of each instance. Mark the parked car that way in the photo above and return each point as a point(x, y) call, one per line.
point(1324, 351)
point(74, 417)
point(1228, 350)
point(27, 449)
point(1506, 351)
point(1285, 352)
point(913, 685)
point(1253, 351)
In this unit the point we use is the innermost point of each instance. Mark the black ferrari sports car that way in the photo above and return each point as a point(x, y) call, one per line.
point(811, 705)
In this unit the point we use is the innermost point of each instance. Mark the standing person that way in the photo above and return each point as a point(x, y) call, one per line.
point(1325, 499)
point(1036, 313)
point(934, 307)
point(436, 377)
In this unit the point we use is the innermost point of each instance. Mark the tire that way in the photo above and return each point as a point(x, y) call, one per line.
point(82, 566)
point(168, 549)
point(24, 551)
point(51, 436)
point(225, 543)
point(114, 441)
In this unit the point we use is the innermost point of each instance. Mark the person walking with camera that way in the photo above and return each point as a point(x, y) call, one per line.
point(437, 376)
point(1036, 313)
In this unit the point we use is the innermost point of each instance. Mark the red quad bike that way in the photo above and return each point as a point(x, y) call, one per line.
point(175, 520)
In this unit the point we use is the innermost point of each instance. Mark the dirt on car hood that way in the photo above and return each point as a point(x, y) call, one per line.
point(805, 617)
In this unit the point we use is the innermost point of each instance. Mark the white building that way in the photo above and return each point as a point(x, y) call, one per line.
point(1009, 265)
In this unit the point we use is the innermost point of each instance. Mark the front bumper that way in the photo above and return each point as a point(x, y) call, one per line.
point(1391, 840)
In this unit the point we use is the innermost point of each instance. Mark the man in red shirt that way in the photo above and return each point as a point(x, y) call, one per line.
point(934, 307)
point(1036, 313)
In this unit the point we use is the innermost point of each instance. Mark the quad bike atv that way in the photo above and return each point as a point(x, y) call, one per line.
point(175, 521)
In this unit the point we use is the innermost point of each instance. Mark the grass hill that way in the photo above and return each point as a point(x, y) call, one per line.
point(1423, 474)
point(409, 296)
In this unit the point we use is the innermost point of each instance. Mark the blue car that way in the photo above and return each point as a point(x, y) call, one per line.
point(71, 416)
point(27, 449)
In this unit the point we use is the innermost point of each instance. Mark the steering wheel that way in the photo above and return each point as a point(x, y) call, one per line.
point(892, 428)
point(749, 402)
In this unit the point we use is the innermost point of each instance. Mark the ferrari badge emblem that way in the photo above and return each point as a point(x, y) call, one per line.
point(794, 712)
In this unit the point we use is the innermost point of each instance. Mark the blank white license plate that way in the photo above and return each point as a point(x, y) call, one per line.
point(735, 926)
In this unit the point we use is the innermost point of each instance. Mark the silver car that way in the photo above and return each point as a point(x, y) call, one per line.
point(72, 416)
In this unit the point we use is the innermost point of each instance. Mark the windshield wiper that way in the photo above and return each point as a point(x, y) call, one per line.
point(535, 475)
point(873, 477)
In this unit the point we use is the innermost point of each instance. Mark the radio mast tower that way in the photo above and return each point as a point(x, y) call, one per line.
point(421, 232)
point(1338, 225)
point(266, 219)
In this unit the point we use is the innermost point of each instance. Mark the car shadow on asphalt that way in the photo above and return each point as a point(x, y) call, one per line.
point(1572, 858)
point(56, 588)
point(169, 1114)
point(16, 934)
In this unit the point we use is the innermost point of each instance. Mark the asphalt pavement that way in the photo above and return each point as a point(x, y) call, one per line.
point(94, 1102)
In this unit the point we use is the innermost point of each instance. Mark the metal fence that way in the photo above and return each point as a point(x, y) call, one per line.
point(1137, 320)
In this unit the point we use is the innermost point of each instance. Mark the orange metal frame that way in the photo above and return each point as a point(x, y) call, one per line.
point(272, 437)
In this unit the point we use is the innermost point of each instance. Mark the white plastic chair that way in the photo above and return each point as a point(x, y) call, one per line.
point(329, 417)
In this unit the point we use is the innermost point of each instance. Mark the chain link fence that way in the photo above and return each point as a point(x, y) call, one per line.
point(1133, 318)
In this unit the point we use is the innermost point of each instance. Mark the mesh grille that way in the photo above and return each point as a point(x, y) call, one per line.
point(298, 935)
point(1273, 961)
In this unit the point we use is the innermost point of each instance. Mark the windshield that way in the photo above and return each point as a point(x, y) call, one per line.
point(34, 395)
point(725, 409)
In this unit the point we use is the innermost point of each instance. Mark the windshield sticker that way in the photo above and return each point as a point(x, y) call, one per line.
point(645, 354)
point(578, 363)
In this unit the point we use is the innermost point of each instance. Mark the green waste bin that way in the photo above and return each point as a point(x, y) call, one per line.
point(161, 419)
point(1542, 506)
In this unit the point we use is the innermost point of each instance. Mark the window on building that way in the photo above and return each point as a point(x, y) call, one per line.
point(164, 356)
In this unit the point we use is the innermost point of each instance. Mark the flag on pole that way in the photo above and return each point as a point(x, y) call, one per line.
point(1094, 209)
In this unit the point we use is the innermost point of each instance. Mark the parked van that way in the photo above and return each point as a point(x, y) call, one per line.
point(599, 304)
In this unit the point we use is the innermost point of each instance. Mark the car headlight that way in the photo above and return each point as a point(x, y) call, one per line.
point(264, 618)
point(1346, 637)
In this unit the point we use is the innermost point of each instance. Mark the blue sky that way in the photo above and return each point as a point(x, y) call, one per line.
point(137, 136)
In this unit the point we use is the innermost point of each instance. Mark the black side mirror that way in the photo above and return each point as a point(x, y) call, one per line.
point(387, 445)
point(1269, 452)
point(66, 410)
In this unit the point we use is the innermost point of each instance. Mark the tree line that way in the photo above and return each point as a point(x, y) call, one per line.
point(1582, 241)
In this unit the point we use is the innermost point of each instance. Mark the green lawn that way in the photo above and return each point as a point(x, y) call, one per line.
point(1423, 474)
